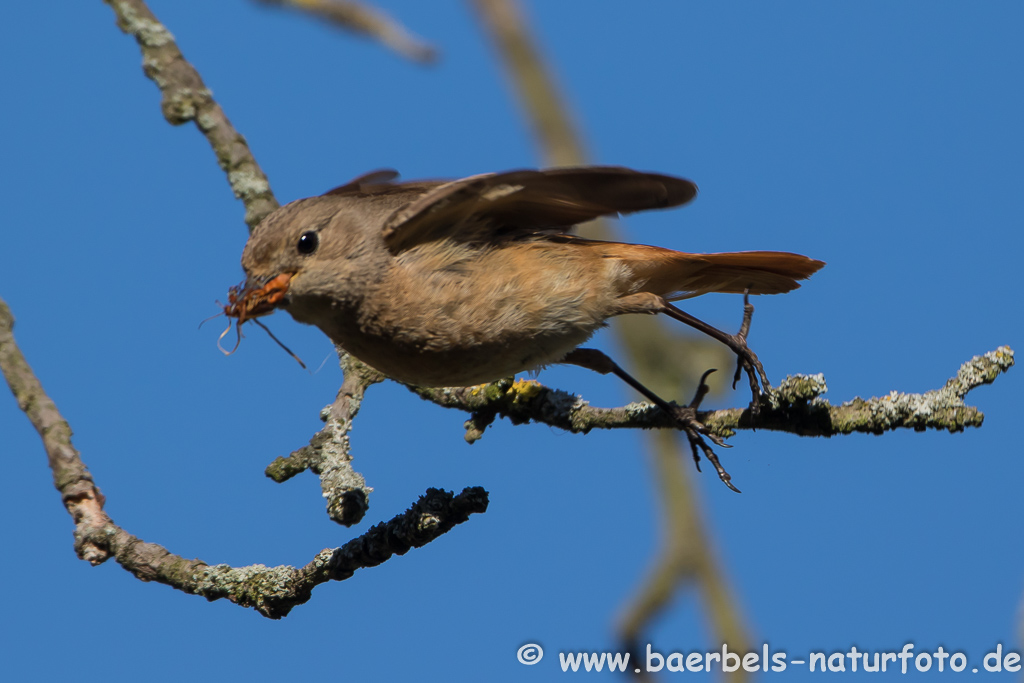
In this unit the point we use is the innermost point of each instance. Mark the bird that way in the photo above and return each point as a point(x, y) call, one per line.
point(463, 282)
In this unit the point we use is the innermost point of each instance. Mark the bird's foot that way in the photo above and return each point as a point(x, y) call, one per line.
point(698, 433)
point(747, 361)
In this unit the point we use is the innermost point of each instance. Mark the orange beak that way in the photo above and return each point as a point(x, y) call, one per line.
point(246, 302)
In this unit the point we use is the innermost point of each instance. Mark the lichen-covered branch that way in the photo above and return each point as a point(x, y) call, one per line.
point(186, 98)
point(794, 406)
point(272, 591)
point(368, 21)
point(328, 453)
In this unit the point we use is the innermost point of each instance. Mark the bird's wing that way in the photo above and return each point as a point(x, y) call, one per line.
point(482, 207)
point(366, 183)
point(379, 183)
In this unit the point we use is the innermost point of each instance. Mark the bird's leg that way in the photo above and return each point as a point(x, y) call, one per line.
point(746, 358)
point(686, 416)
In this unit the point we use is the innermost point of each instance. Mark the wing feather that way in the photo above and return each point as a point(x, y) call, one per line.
point(527, 201)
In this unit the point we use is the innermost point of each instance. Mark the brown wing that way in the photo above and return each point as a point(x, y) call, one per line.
point(527, 201)
point(366, 183)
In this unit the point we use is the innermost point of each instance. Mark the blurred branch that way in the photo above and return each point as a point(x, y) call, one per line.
point(687, 552)
point(367, 21)
point(543, 107)
point(186, 98)
point(272, 591)
point(795, 406)
point(646, 340)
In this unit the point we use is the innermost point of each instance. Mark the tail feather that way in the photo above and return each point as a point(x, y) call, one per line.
point(678, 275)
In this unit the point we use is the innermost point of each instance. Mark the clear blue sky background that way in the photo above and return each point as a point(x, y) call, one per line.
point(884, 138)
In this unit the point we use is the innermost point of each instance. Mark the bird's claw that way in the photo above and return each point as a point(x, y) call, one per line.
point(698, 433)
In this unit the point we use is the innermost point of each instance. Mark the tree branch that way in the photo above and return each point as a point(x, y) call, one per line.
point(272, 591)
point(794, 406)
point(186, 98)
point(80, 495)
point(328, 453)
point(367, 21)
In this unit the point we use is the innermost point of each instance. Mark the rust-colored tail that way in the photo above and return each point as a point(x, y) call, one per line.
point(678, 275)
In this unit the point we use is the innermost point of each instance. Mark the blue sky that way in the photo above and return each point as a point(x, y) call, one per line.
point(882, 138)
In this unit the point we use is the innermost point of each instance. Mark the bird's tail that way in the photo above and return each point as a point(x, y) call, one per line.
point(677, 275)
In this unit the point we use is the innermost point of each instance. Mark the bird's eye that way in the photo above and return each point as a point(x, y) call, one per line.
point(308, 242)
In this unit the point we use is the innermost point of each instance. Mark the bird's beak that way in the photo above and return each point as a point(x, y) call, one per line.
point(257, 296)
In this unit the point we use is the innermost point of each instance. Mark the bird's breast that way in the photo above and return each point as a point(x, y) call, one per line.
point(437, 322)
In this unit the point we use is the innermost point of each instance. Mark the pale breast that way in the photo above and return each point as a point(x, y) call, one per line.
point(453, 315)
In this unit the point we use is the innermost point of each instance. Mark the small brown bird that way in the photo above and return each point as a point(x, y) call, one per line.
point(458, 283)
